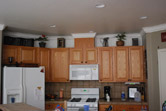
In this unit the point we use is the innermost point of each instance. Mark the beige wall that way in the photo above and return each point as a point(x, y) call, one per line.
point(0, 61)
point(153, 42)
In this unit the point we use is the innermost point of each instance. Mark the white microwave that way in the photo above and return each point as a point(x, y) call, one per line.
point(84, 72)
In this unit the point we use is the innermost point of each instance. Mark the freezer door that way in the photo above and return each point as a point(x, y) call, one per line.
point(12, 84)
point(34, 86)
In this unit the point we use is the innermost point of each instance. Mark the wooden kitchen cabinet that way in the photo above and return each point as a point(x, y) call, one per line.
point(44, 58)
point(52, 106)
point(128, 64)
point(20, 54)
point(103, 107)
point(84, 42)
point(122, 107)
point(60, 65)
point(76, 56)
point(105, 64)
point(83, 56)
point(9, 51)
point(136, 55)
point(121, 64)
point(27, 54)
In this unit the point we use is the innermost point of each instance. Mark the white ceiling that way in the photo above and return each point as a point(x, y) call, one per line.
point(80, 16)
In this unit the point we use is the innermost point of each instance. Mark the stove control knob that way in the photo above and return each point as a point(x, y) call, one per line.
point(91, 105)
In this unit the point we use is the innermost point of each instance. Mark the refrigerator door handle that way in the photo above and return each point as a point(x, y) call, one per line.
point(24, 86)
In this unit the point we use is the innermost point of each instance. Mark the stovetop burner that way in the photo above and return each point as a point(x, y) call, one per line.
point(91, 100)
point(76, 100)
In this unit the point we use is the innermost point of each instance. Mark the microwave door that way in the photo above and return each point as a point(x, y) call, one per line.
point(80, 74)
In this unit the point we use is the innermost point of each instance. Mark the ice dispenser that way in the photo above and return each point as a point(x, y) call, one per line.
point(12, 96)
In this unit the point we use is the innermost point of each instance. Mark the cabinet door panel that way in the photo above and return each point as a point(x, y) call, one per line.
point(84, 42)
point(90, 56)
point(106, 64)
point(121, 64)
point(53, 106)
point(121, 107)
point(27, 55)
point(60, 65)
point(9, 51)
point(136, 63)
point(76, 56)
point(44, 60)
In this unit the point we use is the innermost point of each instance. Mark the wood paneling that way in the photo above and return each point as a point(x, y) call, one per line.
point(84, 42)
point(106, 64)
point(136, 63)
point(60, 65)
point(44, 55)
point(9, 51)
point(121, 64)
point(27, 55)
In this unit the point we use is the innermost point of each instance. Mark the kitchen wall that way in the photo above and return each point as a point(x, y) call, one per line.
point(52, 43)
point(116, 88)
point(153, 42)
point(0, 64)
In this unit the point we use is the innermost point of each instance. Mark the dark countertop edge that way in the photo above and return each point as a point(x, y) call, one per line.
point(56, 101)
point(101, 101)
point(118, 101)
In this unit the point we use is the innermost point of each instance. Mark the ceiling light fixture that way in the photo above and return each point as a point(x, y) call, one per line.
point(100, 6)
point(52, 26)
point(143, 17)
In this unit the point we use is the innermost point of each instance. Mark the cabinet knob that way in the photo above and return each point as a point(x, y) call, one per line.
point(85, 61)
point(129, 79)
point(81, 61)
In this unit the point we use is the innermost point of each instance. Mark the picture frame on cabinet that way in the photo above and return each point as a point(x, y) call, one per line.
point(60, 43)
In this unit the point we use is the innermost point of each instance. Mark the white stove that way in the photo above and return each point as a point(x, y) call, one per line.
point(81, 97)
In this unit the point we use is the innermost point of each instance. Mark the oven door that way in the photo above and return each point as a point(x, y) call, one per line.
point(81, 109)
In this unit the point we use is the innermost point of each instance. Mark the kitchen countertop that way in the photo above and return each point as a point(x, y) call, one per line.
point(18, 107)
point(102, 101)
point(118, 101)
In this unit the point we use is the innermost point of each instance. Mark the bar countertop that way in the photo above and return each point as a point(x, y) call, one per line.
point(18, 107)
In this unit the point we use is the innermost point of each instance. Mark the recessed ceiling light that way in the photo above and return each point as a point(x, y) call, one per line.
point(91, 31)
point(52, 26)
point(143, 17)
point(100, 6)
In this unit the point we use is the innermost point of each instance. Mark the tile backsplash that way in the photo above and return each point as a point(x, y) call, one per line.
point(116, 88)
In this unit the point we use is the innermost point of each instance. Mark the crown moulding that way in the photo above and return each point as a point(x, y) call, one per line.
point(154, 28)
point(2, 26)
point(83, 35)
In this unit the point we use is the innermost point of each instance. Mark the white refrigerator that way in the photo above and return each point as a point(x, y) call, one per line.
point(25, 85)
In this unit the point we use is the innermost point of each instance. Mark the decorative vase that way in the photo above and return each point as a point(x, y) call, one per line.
point(120, 43)
point(42, 44)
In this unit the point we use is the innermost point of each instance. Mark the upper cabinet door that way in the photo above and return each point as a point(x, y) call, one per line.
point(9, 51)
point(60, 65)
point(106, 64)
point(44, 56)
point(136, 63)
point(76, 56)
point(28, 55)
point(121, 64)
point(90, 56)
point(84, 42)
